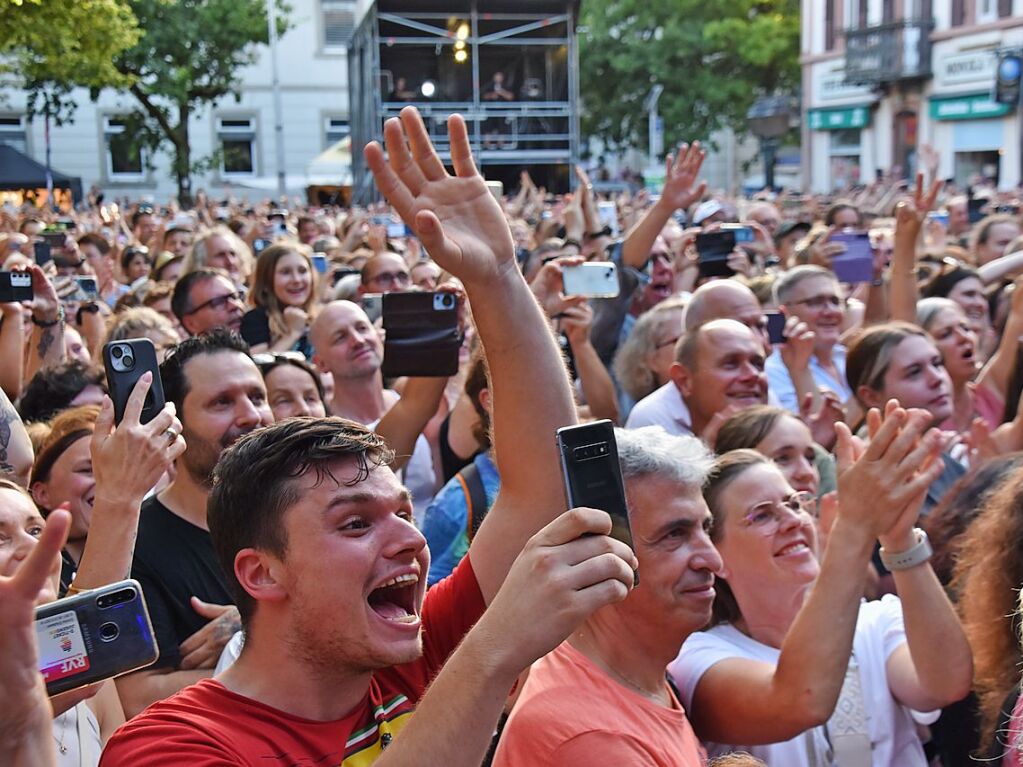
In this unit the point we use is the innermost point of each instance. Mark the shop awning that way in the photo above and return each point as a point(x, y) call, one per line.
point(839, 118)
point(19, 171)
point(972, 106)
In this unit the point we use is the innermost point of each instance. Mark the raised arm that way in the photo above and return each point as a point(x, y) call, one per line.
point(909, 218)
point(16, 454)
point(46, 347)
point(12, 349)
point(560, 574)
point(998, 371)
point(597, 387)
point(680, 191)
point(402, 424)
point(463, 229)
point(751, 702)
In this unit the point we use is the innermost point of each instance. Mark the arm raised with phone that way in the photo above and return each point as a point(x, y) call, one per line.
point(464, 230)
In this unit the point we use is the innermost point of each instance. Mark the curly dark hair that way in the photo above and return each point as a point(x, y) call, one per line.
point(254, 484)
point(52, 389)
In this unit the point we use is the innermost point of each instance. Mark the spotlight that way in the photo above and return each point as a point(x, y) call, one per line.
point(461, 56)
point(428, 88)
point(463, 31)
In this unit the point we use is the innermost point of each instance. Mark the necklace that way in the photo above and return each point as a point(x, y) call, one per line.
point(63, 731)
point(659, 697)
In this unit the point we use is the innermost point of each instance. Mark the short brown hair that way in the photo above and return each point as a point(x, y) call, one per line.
point(870, 354)
point(254, 484)
point(726, 470)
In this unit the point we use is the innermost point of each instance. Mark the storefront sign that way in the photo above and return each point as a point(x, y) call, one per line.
point(832, 87)
point(976, 106)
point(839, 119)
point(965, 68)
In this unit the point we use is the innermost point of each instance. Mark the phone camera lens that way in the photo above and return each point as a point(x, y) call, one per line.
point(116, 352)
point(108, 632)
point(128, 361)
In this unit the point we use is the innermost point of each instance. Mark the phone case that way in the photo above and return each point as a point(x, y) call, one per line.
point(593, 477)
point(93, 636)
point(857, 263)
point(421, 334)
point(596, 280)
point(137, 355)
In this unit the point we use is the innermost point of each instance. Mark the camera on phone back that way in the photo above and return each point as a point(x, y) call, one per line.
point(15, 286)
point(121, 358)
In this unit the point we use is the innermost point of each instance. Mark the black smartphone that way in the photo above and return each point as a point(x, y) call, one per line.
point(775, 327)
point(55, 239)
point(975, 209)
point(43, 252)
point(593, 477)
point(93, 636)
point(713, 249)
point(15, 286)
point(125, 362)
point(421, 335)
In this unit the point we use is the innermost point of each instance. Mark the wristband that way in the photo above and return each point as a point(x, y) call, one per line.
point(605, 232)
point(49, 324)
point(915, 555)
point(569, 242)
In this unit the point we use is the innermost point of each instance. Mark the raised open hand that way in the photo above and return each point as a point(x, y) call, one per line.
point(910, 212)
point(680, 187)
point(455, 217)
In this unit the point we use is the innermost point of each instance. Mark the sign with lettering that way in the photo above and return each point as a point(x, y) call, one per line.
point(965, 69)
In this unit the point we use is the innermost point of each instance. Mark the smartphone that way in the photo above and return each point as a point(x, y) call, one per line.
point(713, 249)
point(93, 636)
point(857, 263)
point(125, 362)
point(56, 240)
point(592, 475)
point(775, 327)
point(373, 305)
point(421, 335)
point(320, 262)
point(15, 286)
point(396, 229)
point(258, 246)
point(608, 215)
point(742, 233)
point(43, 252)
point(941, 216)
point(87, 290)
point(496, 188)
point(597, 279)
point(975, 209)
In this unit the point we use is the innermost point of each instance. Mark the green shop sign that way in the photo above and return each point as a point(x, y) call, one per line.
point(839, 119)
point(976, 106)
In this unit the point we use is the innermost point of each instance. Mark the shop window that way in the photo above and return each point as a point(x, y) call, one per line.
point(125, 158)
point(237, 138)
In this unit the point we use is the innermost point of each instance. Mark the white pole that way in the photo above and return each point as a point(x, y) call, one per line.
point(271, 14)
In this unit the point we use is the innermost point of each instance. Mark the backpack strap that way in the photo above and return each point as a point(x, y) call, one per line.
point(475, 498)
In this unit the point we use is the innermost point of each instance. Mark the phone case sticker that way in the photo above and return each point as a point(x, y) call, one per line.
point(61, 646)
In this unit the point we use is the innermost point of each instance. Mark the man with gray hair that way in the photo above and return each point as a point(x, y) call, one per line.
point(812, 294)
point(620, 653)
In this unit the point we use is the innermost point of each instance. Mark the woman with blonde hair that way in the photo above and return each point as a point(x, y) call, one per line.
point(283, 296)
point(643, 361)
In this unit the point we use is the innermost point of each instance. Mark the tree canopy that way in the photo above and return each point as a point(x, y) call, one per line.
point(713, 57)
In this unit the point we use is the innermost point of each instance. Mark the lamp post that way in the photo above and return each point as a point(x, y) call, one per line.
point(768, 118)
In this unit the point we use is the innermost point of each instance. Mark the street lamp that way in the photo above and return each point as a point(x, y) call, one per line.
point(769, 119)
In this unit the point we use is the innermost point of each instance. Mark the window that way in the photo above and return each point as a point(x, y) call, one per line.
point(237, 138)
point(986, 10)
point(338, 24)
point(1004, 8)
point(12, 133)
point(958, 13)
point(125, 158)
point(336, 129)
point(829, 24)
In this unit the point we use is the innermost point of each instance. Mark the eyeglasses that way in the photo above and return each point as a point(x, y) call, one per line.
point(820, 302)
point(216, 304)
point(391, 278)
point(765, 518)
point(272, 358)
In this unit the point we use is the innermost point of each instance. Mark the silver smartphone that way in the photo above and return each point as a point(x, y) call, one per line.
point(598, 279)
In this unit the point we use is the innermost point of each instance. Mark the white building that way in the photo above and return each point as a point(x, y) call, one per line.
point(926, 71)
point(313, 77)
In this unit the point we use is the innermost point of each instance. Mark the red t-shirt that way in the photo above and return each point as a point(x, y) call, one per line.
point(206, 724)
point(572, 714)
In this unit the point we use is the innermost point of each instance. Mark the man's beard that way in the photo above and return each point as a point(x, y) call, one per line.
point(201, 456)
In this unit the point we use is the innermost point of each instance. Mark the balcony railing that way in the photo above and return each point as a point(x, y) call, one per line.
point(888, 53)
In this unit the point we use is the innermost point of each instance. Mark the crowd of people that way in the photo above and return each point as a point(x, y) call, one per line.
point(824, 478)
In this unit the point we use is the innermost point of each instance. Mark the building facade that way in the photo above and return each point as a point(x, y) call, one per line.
point(313, 85)
point(882, 78)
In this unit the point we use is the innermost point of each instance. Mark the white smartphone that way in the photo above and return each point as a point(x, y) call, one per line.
point(608, 215)
point(593, 280)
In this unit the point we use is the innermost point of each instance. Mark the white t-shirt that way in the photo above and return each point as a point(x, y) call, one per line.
point(892, 726)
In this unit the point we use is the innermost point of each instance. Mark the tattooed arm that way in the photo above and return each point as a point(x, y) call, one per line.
point(15, 447)
point(46, 347)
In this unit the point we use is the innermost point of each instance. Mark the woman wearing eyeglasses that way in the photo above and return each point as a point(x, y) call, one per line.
point(795, 668)
point(283, 296)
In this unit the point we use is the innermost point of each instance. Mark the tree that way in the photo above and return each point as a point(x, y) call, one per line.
point(190, 56)
point(52, 45)
point(713, 57)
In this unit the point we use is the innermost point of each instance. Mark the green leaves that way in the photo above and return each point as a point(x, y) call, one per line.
point(713, 57)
